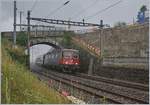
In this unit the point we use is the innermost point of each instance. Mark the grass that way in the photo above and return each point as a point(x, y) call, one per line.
point(19, 86)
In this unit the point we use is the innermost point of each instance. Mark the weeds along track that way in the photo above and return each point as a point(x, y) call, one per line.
point(113, 92)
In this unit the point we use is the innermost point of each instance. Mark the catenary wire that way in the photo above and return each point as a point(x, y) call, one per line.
point(103, 10)
point(33, 6)
point(84, 10)
point(55, 10)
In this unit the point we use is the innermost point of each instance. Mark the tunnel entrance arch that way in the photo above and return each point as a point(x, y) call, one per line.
point(48, 41)
point(42, 48)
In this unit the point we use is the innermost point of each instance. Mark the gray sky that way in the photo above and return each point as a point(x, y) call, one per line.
point(125, 11)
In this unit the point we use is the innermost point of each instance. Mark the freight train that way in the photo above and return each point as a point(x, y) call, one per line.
point(66, 60)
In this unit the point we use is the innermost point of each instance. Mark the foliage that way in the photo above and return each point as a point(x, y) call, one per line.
point(20, 86)
point(22, 39)
point(18, 55)
point(67, 38)
point(2, 33)
point(143, 8)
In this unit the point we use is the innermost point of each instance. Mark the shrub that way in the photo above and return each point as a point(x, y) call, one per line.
point(19, 86)
point(22, 39)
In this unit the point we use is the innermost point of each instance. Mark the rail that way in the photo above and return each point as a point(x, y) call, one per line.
point(113, 92)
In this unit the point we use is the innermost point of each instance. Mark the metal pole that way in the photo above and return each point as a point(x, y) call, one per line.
point(69, 24)
point(55, 37)
point(20, 19)
point(101, 29)
point(28, 44)
point(100, 40)
point(90, 71)
point(83, 21)
point(49, 31)
point(102, 37)
point(43, 33)
point(36, 32)
point(15, 15)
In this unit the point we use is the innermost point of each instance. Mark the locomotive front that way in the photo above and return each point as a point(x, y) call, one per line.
point(70, 60)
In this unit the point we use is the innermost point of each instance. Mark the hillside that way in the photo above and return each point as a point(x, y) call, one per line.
point(19, 86)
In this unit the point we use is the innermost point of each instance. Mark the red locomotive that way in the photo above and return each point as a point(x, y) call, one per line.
point(66, 60)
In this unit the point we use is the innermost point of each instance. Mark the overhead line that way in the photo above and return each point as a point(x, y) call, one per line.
point(33, 6)
point(79, 13)
point(54, 11)
point(64, 22)
point(103, 10)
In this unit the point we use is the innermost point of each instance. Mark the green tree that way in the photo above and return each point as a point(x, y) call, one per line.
point(67, 38)
point(143, 8)
point(22, 39)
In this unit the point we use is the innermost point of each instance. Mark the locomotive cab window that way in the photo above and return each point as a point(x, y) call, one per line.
point(70, 54)
point(75, 55)
point(67, 54)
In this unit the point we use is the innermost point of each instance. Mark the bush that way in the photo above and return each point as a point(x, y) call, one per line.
point(67, 39)
point(19, 86)
point(22, 39)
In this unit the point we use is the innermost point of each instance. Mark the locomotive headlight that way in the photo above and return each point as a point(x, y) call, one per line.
point(66, 62)
point(76, 63)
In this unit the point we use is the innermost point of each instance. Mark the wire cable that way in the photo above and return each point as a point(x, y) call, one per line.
point(103, 10)
point(52, 12)
point(33, 6)
point(80, 12)
point(55, 10)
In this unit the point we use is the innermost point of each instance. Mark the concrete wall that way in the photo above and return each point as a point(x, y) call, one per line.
point(126, 42)
point(9, 34)
point(126, 72)
point(131, 42)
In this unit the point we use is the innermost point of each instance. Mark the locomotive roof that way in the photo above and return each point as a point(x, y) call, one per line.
point(73, 50)
point(70, 50)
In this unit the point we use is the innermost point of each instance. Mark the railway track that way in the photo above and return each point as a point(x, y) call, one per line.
point(139, 86)
point(113, 92)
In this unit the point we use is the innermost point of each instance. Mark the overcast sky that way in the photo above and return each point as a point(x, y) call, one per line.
point(76, 10)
